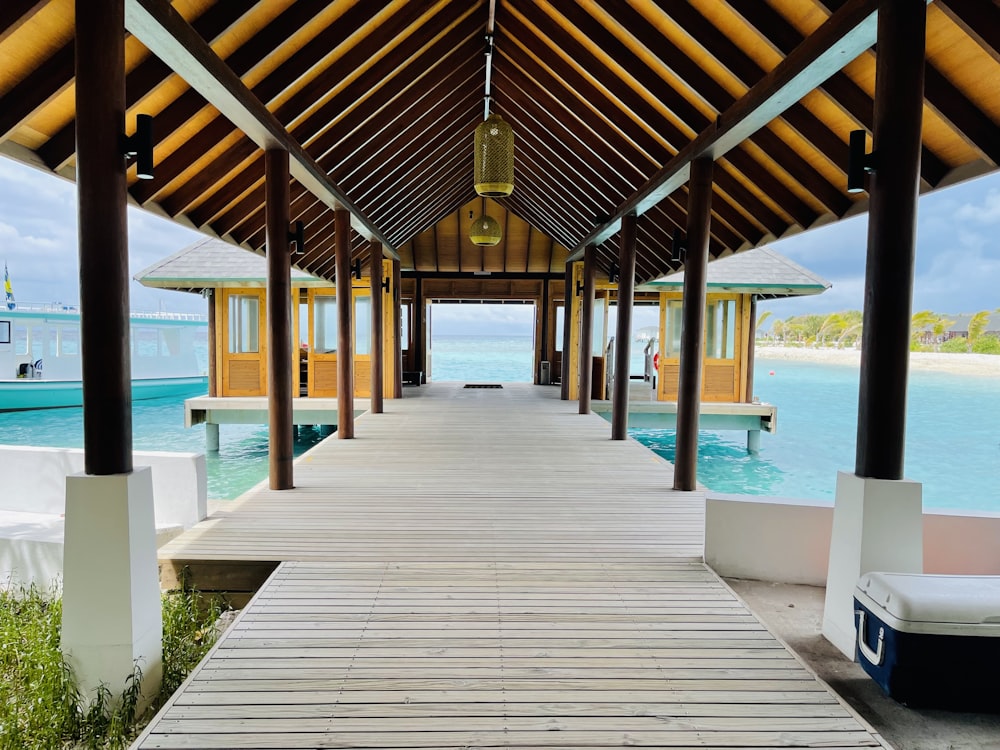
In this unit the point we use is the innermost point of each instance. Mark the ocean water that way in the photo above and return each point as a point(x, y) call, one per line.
point(953, 429)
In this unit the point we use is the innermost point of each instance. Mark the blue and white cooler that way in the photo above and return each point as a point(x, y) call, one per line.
point(931, 641)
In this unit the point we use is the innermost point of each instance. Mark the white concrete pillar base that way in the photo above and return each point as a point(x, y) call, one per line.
point(877, 525)
point(753, 442)
point(112, 616)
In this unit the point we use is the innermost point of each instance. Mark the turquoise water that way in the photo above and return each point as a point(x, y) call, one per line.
point(953, 443)
point(158, 424)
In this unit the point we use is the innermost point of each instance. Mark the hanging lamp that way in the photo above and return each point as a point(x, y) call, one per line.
point(494, 146)
point(485, 231)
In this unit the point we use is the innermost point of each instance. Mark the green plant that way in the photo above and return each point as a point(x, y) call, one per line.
point(957, 345)
point(987, 345)
point(40, 704)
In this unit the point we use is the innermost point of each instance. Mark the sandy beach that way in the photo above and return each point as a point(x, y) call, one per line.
point(977, 365)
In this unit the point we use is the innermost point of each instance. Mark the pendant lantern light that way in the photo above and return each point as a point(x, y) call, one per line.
point(485, 230)
point(494, 158)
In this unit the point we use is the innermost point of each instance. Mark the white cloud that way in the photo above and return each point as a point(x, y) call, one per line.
point(988, 212)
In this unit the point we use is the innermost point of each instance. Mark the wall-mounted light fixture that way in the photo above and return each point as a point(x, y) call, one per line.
point(678, 247)
point(613, 272)
point(297, 237)
point(356, 269)
point(859, 162)
point(140, 145)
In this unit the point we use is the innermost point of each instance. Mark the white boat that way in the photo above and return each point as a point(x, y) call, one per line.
point(40, 363)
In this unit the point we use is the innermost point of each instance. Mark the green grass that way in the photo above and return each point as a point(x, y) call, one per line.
point(40, 705)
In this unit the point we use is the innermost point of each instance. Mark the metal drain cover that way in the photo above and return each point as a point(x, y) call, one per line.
point(483, 385)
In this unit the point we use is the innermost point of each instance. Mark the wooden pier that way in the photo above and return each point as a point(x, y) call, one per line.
point(486, 568)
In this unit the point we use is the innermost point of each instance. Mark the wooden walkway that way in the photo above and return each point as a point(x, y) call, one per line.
point(485, 568)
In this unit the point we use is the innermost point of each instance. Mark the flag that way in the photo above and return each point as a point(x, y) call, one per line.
point(8, 290)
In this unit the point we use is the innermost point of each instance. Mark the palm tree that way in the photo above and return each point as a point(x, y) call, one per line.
point(831, 326)
point(977, 325)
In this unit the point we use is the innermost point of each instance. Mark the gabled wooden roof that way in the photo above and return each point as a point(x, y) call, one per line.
point(761, 271)
point(608, 100)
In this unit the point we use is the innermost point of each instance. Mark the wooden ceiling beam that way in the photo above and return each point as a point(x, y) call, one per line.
point(649, 117)
point(161, 29)
point(145, 77)
point(845, 35)
point(980, 19)
point(43, 84)
point(644, 152)
point(783, 155)
point(243, 60)
point(399, 91)
point(969, 121)
point(15, 13)
point(783, 37)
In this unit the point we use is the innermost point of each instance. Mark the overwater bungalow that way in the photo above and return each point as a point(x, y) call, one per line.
point(487, 568)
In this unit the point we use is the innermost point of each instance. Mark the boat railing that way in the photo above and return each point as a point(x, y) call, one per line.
point(52, 307)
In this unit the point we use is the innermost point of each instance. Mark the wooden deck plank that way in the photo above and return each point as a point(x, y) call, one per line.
point(509, 578)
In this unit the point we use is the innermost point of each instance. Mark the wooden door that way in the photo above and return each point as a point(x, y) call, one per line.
point(241, 342)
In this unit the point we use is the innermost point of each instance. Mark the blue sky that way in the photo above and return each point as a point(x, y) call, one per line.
point(957, 269)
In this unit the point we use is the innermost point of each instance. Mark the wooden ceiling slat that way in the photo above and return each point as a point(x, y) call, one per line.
point(14, 13)
point(646, 145)
point(784, 37)
point(451, 174)
point(971, 124)
point(980, 19)
point(241, 61)
point(167, 35)
point(45, 82)
point(691, 116)
point(146, 76)
point(656, 122)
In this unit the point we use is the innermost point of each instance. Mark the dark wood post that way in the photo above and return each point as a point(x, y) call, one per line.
point(378, 338)
point(213, 388)
point(892, 228)
point(587, 328)
point(345, 304)
point(397, 323)
point(280, 433)
point(623, 335)
point(751, 349)
point(564, 374)
point(104, 294)
point(693, 330)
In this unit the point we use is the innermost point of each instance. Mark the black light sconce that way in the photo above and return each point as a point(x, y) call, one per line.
point(613, 273)
point(579, 288)
point(386, 284)
point(678, 247)
point(297, 237)
point(356, 269)
point(859, 162)
point(140, 145)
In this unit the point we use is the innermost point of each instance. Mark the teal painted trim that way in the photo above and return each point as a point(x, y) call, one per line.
point(26, 395)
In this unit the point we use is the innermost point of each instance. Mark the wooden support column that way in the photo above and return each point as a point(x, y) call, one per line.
point(397, 302)
point(545, 353)
point(751, 349)
point(623, 335)
point(378, 339)
point(345, 305)
point(587, 328)
point(564, 374)
point(693, 327)
point(280, 437)
point(892, 229)
point(213, 364)
point(103, 240)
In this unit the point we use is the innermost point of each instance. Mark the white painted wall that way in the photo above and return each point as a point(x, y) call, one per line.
point(34, 481)
point(788, 541)
point(33, 502)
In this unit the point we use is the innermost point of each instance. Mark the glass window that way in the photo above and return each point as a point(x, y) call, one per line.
point(404, 336)
point(325, 320)
point(145, 342)
point(20, 340)
point(244, 324)
point(720, 329)
point(597, 345)
point(37, 339)
point(672, 341)
point(560, 322)
point(4, 331)
point(363, 325)
point(170, 342)
point(69, 342)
